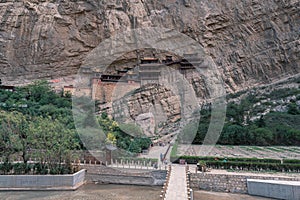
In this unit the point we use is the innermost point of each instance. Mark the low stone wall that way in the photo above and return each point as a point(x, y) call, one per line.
point(79, 178)
point(228, 182)
point(42, 182)
point(107, 175)
point(289, 190)
point(120, 179)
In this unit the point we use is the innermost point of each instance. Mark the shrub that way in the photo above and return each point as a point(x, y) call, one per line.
point(255, 164)
point(291, 161)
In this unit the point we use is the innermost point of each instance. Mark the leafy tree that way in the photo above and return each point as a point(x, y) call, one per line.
point(15, 133)
point(235, 112)
point(111, 138)
point(135, 147)
point(104, 115)
point(293, 137)
point(143, 142)
point(40, 91)
point(51, 135)
point(53, 140)
point(261, 122)
point(262, 136)
point(293, 109)
point(233, 134)
point(201, 133)
point(124, 143)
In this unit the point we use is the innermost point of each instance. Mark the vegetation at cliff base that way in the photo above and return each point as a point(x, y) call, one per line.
point(127, 137)
point(253, 121)
point(36, 122)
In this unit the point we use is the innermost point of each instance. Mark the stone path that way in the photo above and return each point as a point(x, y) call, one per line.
point(177, 187)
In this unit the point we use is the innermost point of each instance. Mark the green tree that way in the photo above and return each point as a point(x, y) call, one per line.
point(260, 122)
point(40, 91)
point(123, 143)
point(135, 147)
point(293, 137)
point(235, 113)
point(111, 139)
point(233, 134)
point(15, 132)
point(201, 133)
point(143, 142)
point(53, 140)
point(262, 136)
point(293, 109)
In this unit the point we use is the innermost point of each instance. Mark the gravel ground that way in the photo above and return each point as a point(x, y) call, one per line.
point(116, 192)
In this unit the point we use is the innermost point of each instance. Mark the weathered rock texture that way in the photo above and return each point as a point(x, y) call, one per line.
point(151, 106)
point(251, 41)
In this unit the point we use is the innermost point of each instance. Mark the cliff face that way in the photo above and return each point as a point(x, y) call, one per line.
point(154, 108)
point(250, 41)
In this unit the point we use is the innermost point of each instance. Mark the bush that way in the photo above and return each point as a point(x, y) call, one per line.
point(40, 168)
point(291, 161)
point(195, 159)
point(5, 168)
point(18, 168)
point(255, 164)
point(21, 168)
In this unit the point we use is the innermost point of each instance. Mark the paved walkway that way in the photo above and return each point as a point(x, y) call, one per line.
point(177, 188)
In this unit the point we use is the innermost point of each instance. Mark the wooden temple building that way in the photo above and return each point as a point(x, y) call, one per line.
point(149, 70)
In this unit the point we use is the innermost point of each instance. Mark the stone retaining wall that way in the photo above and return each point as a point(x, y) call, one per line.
point(228, 182)
point(42, 182)
point(102, 174)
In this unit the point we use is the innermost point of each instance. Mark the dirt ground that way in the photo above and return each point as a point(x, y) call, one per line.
point(116, 192)
point(200, 195)
point(90, 192)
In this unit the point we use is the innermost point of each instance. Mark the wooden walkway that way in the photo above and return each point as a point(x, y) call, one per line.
point(177, 184)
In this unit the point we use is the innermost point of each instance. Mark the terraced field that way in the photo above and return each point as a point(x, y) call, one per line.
point(276, 152)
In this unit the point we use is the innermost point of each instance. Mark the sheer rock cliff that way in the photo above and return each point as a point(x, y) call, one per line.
point(252, 42)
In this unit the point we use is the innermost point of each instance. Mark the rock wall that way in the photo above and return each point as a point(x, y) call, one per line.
point(104, 92)
point(155, 108)
point(251, 41)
